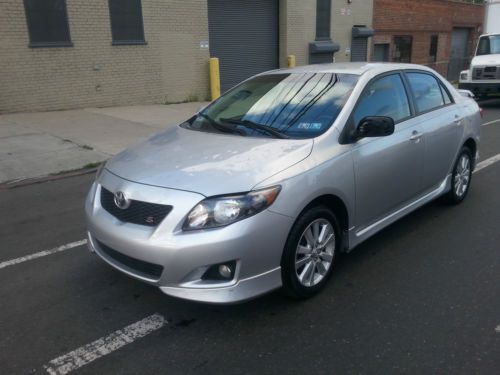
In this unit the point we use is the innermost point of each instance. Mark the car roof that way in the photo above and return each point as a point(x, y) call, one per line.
point(357, 68)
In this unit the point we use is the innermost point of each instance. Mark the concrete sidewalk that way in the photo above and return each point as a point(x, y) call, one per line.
point(42, 143)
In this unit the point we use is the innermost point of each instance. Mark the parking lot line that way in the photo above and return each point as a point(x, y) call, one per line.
point(486, 163)
point(481, 165)
point(43, 253)
point(491, 122)
point(105, 345)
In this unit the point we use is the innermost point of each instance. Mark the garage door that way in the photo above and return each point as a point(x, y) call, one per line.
point(458, 59)
point(244, 36)
point(359, 47)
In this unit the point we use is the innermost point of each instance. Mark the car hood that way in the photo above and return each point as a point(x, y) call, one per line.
point(207, 163)
point(486, 60)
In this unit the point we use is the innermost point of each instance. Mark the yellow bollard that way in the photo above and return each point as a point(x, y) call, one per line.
point(214, 78)
point(291, 61)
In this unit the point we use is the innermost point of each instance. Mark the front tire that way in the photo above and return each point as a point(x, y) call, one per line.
point(461, 177)
point(309, 254)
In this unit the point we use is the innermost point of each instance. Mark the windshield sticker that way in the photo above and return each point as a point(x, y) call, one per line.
point(310, 125)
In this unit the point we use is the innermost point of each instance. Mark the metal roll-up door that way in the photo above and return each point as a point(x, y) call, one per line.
point(244, 36)
point(458, 59)
point(359, 47)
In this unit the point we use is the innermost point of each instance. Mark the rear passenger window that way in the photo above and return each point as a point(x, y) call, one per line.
point(446, 95)
point(426, 91)
point(383, 97)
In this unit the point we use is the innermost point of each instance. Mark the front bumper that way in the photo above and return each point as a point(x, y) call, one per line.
point(481, 88)
point(255, 244)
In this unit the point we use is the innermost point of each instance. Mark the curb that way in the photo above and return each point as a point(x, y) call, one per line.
point(8, 185)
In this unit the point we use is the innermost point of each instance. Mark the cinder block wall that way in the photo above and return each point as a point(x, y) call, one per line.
point(344, 17)
point(170, 68)
point(297, 29)
point(424, 18)
point(298, 26)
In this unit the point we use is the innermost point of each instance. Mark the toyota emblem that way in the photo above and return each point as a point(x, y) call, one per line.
point(121, 200)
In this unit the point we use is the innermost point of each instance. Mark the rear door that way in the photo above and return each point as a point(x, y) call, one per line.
point(388, 170)
point(442, 124)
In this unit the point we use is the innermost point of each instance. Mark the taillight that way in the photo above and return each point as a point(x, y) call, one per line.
point(481, 112)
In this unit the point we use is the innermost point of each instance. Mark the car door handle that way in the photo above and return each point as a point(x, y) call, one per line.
point(457, 121)
point(415, 136)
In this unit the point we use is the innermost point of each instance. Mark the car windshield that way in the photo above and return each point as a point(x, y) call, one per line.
point(297, 105)
point(489, 45)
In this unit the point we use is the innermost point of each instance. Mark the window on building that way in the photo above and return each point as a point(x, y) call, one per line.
point(433, 49)
point(126, 21)
point(402, 49)
point(381, 52)
point(323, 16)
point(47, 23)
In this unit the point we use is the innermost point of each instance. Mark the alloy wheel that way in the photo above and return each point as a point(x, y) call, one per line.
point(314, 253)
point(462, 175)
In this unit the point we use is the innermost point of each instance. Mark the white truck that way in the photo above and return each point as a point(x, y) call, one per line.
point(483, 76)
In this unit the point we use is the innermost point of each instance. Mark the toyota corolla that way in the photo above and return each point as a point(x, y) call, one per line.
point(264, 187)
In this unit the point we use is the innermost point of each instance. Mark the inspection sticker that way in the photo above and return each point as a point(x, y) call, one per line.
point(310, 125)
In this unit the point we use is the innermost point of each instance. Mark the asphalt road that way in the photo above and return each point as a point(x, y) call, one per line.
point(422, 296)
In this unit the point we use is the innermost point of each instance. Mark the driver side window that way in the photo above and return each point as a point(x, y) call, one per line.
point(384, 97)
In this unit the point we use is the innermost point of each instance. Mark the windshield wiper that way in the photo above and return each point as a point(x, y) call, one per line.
point(253, 125)
point(220, 127)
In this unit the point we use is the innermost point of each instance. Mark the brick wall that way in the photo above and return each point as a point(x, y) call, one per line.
point(424, 18)
point(171, 67)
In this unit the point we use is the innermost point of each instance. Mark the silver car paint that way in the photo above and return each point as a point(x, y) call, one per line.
point(379, 180)
point(189, 160)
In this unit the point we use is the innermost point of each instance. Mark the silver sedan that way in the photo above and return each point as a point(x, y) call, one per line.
point(264, 187)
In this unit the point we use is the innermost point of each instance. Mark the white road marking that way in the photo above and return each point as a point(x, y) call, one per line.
point(481, 165)
point(497, 329)
point(487, 163)
point(43, 253)
point(105, 345)
point(491, 122)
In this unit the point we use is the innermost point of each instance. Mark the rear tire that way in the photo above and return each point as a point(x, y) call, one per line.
point(461, 177)
point(309, 254)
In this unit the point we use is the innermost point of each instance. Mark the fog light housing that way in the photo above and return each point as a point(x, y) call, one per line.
point(225, 271)
point(220, 272)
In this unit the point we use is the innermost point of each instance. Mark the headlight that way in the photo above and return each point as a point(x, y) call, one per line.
point(221, 211)
point(464, 75)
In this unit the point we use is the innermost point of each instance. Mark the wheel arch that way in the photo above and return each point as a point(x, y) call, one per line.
point(337, 205)
point(471, 144)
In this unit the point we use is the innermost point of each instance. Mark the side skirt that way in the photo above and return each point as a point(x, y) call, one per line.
point(356, 237)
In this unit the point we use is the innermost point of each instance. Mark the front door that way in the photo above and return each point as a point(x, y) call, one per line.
point(388, 170)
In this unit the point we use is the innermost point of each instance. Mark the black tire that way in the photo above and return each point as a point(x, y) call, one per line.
point(455, 195)
point(292, 286)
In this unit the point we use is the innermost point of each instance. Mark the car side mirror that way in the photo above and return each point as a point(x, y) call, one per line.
point(374, 126)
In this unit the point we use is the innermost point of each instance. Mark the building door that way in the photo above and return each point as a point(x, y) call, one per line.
point(381, 52)
point(243, 34)
point(458, 56)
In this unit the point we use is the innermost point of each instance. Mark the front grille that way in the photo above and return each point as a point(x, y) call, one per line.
point(488, 72)
point(139, 212)
point(142, 268)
